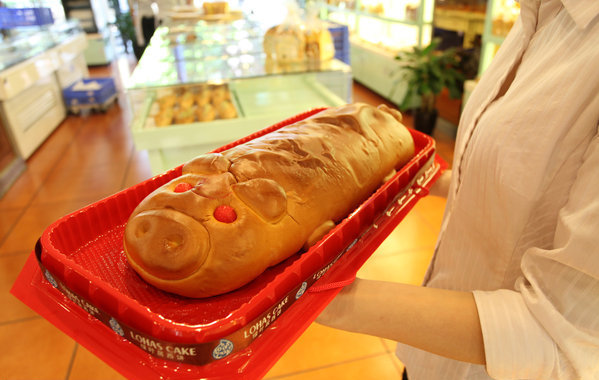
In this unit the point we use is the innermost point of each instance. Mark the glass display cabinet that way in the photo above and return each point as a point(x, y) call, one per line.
point(500, 17)
point(11, 165)
point(35, 64)
point(389, 24)
point(464, 16)
point(378, 30)
point(95, 17)
point(198, 87)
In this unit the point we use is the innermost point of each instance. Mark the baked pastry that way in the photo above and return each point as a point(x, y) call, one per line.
point(231, 215)
point(319, 45)
point(184, 116)
point(215, 7)
point(206, 112)
point(167, 101)
point(186, 100)
point(191, 37)
point(164, 117)
point(284, 44)
point(203, 96)
point(226, 110)
point(219, 94)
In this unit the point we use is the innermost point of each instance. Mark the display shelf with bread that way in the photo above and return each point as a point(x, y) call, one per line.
point(207, 33)
point(249, 104)
point(211, 11)
point(190, 104)
point(79, 277)
point(211, 50)
point(378, 30)
point(388, 24)
point(469, 22)
point(260, 90)
point(36, 64)
point(499, 19)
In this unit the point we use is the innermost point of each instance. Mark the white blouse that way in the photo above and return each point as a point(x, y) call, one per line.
point(521, 228)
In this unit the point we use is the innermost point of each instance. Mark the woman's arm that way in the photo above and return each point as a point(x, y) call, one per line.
point(441, 187)
point(440, 321)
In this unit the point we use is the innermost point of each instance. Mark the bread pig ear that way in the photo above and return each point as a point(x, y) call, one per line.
point(263, 196)
point(211, 163)
point(393, 112)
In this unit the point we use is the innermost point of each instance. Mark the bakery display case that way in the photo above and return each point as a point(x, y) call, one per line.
point(500, 17)
point(200, 86)
point(95, 17)
point(390, 25)
point(466, 17)
point(378, 30)
point(11, 165)
point(18, 47)
point(35, 64)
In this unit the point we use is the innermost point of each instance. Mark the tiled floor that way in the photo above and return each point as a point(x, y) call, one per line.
point(91, 156)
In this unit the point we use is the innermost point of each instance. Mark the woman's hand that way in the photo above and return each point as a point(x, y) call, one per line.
point(339, 307)
point(443, 322)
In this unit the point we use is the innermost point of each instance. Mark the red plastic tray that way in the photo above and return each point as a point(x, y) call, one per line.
point(241, 333)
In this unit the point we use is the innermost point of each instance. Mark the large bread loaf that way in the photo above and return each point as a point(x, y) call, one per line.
point(230, 216)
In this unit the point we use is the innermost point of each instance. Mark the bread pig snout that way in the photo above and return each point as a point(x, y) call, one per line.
point(180, 244)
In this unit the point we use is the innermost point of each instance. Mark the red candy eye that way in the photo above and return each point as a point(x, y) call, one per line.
point(182, 187)
point(225, 214)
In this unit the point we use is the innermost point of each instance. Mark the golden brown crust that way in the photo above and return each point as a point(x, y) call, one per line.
point(186, 100)
point(219, 94)
point(164, 117)
point(167, 101)
point(206, 112)
point(277, 192)
point(285, 44)
point(184, 116)
point(226, 110)
point(215, 7)
point(203, 97)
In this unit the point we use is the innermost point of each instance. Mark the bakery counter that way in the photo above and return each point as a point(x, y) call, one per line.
point(211, 50)
point(207, 33)
point(31, 104)
point(197, 88)
point(22, 46)
point(176, 123)
point(11, 166)
point(155, 72)
point(470, 23)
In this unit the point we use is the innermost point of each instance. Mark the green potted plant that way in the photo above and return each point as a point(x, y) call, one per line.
point(425, 72)
point(124, 23)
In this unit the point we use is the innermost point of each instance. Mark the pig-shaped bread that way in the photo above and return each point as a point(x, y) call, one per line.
point(231, 215)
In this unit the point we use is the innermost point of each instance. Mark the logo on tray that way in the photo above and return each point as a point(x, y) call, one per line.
point(224, 348)
point(50, 279)
point(114, 325)
point(301, 290)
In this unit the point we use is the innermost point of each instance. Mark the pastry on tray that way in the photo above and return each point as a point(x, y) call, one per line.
point(184, 116)
point(164, 117)
point(203, 96)
point(231, 215)
point(226, 110)
point(215, 7)
point(167, 101)
point(186, 100)
point(219, 95)
point(206, 112)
